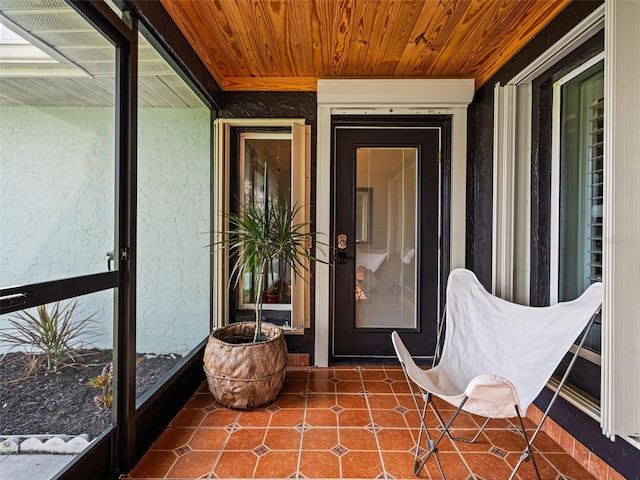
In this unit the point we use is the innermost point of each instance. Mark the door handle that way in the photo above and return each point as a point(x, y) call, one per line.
point(14, 300)
point(342, 257)
point(109, 259)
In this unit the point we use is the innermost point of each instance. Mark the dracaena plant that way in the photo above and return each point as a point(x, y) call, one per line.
point(53, 334)
point(260, 235)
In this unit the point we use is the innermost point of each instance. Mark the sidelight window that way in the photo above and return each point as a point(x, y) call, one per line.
point(580, 193)
point(266, 162)
point(578, 199)
point(265, 182)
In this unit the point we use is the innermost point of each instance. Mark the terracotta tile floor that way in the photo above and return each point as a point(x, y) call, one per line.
point(342, 422)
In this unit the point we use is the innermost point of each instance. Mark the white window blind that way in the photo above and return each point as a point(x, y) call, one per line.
point(594, 240)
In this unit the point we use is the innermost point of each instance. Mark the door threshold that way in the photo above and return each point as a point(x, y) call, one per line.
point(375, 361)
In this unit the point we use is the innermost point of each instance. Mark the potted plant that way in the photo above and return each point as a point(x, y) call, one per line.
point(245, 362)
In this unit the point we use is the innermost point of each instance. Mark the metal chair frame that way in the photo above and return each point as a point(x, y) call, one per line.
point(432, 446)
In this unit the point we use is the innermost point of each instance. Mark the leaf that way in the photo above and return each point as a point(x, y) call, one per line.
point(257, 237)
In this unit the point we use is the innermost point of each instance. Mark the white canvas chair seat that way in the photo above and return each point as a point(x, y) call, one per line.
point(497, 356)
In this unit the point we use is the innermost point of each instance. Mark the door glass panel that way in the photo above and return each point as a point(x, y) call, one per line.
point(385, 236)
point(57, 124)
point(57, 199)
point(57, 382)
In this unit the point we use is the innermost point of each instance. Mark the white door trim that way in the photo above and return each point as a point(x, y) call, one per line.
point(385, 97)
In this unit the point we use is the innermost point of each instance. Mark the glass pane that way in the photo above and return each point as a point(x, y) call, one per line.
point(56, 385)
point(57, 124)
point(581, 188)
point(173, 264)
point(266, 167)
point(386, 229)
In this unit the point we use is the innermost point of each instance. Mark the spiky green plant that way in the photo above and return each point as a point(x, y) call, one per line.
point(55, 336)
point(258, 236)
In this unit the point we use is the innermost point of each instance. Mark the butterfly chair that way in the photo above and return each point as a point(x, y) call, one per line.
point(496, 358)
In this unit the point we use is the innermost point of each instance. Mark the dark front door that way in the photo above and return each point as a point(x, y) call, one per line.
point(386, 229)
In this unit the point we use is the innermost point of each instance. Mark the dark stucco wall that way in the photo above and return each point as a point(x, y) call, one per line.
point(620, 454)
point(280, 105)
point(480, 139)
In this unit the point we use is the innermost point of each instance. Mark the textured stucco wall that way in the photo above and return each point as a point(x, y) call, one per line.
point(57, 213)
point(56, 195)
point(173, 229)
point(278, 105)
point(56, 200)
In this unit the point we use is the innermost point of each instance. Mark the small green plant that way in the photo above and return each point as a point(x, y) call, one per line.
point(104, 383)
point(52, 336)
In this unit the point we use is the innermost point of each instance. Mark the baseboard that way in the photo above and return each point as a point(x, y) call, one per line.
point(585, 457)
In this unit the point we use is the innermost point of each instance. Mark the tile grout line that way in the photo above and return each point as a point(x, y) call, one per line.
point(338, 425)
point(172, 465)
point(539, 453)
point(194, 432)
point(545, 454)
point(457, 450)
point(264, 437)
point(191, 437)
point(408, 426)
point(373, 426)
point(418, 412)
point(215, 463)
point(406, 422)
point(304, 421)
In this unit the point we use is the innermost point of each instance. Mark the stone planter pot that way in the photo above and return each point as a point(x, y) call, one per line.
point(243, 374)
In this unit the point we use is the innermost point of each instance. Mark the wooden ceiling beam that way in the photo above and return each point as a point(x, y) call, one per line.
point(281, 84)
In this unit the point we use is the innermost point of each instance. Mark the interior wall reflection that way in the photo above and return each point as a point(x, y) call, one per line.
point(265, 177)
point(385, 218)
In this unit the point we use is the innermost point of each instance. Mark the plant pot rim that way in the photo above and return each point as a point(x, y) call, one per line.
point(269, 334)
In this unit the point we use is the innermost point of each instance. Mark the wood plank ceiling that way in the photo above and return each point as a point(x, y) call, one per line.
point(289, 44)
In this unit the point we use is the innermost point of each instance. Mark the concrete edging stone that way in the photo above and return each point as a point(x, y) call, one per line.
point(30, 444)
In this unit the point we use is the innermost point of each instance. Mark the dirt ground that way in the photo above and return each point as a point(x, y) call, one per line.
point(62, 402)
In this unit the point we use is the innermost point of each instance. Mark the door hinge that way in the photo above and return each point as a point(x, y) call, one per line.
point(124, 254)
point(439, 156)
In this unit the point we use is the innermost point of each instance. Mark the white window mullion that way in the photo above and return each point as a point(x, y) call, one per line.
point(522, 210)
point(220, 203)
point(554, 266)
point(504, 190)
point(300, 181)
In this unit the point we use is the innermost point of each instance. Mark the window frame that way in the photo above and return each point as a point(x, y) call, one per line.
point(300, 317)
point(522, 166)
point(112, 450)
